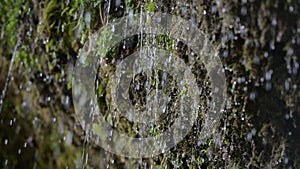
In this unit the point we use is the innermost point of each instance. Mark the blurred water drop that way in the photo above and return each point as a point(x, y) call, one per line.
point(249, 136)
point(48, 99)
point(67, 103)
point(6, 141)
point(60, 127)
point(130, 16)
point(287, 84)
point(287, 116)
point(237, 19)
point(295, 67)
point(262, 79)
point(214, 9)
point(69, 138)
point(183, 10)
point(253, 131)
point(268, 86)
point(241, 80)
point(216, 90)
point(298, 41)
point(28, 89)
point(158, 20)
point(256, 60)
point(86, 158)
point(252, 95)
point(286, 160)
point(113, 28)
point(118, 3)
point(224, 10)
point(290, 52)
point(244, 11)
point(45, 41)
point(225, 54)
point(268, 75)
point(274, 22)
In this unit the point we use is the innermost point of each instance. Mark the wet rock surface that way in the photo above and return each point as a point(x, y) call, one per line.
point(258, 43)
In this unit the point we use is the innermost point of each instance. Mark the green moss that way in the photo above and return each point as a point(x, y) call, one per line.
point(55, 43)
point(151, 7)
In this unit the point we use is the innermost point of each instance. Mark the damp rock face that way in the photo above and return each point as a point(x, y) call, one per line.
point(258, 43)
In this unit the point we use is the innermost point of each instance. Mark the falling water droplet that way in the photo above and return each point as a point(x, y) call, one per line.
point(287, 116)
point(252, 95)
point(274, 22)
point(214, 9)
point(67, 103)
point(69, 138)
point(130, 17)
point(244, 11)
point(48, 99)
point(256, 60)
point(295, 67)
point(268, 86)
point(118, 3)
point(183, 11)
point(266, 54)
point(287, 84)
point(268, 75)
point(241, 80)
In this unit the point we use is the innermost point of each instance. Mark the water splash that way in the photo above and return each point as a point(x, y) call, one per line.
point(8, 78)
